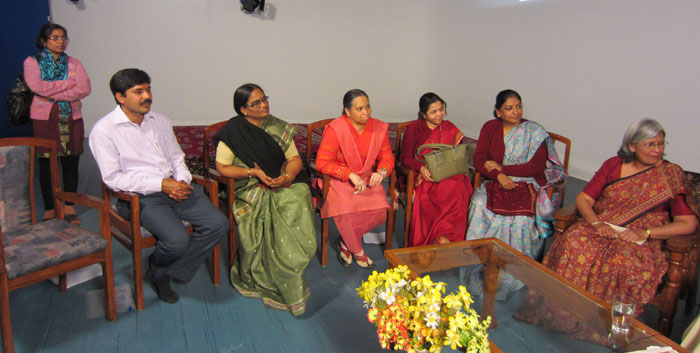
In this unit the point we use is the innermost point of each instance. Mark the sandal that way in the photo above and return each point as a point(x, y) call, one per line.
point(344, 255)
point(73, 219)
point(363, 261)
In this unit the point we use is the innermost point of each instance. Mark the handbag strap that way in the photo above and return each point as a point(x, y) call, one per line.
point(438, 146)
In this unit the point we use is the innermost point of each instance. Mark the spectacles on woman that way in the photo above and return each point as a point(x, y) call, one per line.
point(57, 38)
point(257, 103)
point(650, 145)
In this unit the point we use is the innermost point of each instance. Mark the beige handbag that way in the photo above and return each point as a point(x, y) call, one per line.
point(445, 161)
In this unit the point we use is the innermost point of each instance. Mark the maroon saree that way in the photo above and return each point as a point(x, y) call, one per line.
point(439, 209)
point(604, 267)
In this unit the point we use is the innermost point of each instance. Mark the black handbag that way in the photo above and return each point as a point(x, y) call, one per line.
point(19, 99)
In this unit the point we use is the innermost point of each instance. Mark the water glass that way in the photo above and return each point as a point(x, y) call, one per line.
point(622, 314)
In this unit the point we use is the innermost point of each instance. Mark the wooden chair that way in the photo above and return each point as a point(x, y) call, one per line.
point(559, 187)
point(31, 252)
point(228, 195)
point(311, 151)
point(682, 254)
point(136, 238)
point(405, 195)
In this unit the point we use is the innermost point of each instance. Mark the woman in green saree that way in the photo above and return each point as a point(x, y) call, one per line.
point(273, 210)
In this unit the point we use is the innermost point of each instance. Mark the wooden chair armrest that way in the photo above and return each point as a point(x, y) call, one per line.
point(202, 180)
point(81, 199)
point(556, 187)
point(101, 205)
point(229, 182)
point(683, 241)
point(401, 169)
point(211, 187)
point(214, 174)
point(123, 195)
point(563, 217)
point(477, 179)
point(565, 213)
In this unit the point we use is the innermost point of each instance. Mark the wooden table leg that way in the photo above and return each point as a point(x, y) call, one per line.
point(490, 288)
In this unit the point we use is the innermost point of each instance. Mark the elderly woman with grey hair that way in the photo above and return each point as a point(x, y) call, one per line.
point(634, 202)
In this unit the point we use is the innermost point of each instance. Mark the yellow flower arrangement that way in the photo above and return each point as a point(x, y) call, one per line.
point(413, 315)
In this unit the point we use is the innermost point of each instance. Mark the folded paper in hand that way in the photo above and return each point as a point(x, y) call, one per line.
point(619, 230)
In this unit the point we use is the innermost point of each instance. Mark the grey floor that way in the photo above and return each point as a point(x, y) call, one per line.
point(218, 319)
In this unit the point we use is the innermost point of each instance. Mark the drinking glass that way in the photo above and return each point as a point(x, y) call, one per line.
point(622, 315)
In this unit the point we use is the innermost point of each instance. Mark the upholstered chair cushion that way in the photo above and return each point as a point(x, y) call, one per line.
point(45, 244)
point(15, 205)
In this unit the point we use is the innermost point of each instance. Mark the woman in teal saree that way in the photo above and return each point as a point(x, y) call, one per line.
point(273, 210)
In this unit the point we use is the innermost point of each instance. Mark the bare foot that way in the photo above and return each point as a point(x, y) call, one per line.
point(443, 240)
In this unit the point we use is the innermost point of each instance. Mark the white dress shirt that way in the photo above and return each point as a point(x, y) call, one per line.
point(137, 158)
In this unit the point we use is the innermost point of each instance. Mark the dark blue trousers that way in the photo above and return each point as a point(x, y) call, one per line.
point(178, 254)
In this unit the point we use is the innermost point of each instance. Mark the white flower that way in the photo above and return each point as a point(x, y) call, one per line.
point(387, 296)
point(432, 320)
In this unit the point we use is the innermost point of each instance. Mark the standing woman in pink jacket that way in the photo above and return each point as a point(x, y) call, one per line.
point(59, 82)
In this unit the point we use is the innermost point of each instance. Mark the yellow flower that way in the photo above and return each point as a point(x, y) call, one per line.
point(415, 314)
point(452, 301)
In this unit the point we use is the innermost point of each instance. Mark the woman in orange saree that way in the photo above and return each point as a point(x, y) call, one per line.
point(439, 209)
point(356, 153)
point(639, 191)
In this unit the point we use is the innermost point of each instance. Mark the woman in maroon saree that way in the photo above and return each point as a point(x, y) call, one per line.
point(439, 209)
point(637, 190)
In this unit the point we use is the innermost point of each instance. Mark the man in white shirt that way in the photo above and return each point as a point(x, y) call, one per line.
point(137, 151)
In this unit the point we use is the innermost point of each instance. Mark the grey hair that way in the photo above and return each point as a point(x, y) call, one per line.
point(639, 131)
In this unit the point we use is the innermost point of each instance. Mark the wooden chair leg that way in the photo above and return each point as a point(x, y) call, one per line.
point(63, 283)
point(407, 221)
point(389, 228)
point(671, 292)
point(8, 341)
point(324, 242)
point(691, 280)
point(231, 240)
point(108, 283)
point(138, 277)
point(214, 269)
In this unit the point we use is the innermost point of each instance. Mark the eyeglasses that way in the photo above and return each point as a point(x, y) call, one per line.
point(57, 38)
point(257, 103)
point(650, 145)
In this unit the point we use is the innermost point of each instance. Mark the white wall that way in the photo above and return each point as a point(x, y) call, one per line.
point(585, 69)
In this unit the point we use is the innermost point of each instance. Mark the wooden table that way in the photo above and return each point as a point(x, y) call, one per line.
point(496, 256)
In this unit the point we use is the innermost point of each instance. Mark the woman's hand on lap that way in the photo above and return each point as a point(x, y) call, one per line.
point(605, 231)
point(425, 173)
point(260, 174)
point(505, 181)
point(491, 165)
point(375, 179)
point(357, 181)
point(633, 235)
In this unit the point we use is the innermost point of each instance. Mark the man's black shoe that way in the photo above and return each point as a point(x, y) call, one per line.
point(162, 288)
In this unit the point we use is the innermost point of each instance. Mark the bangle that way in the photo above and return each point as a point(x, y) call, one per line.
point(290, 178)
point(648, 233)
point(383, 172)
point(248, 173)
point(596, 223)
